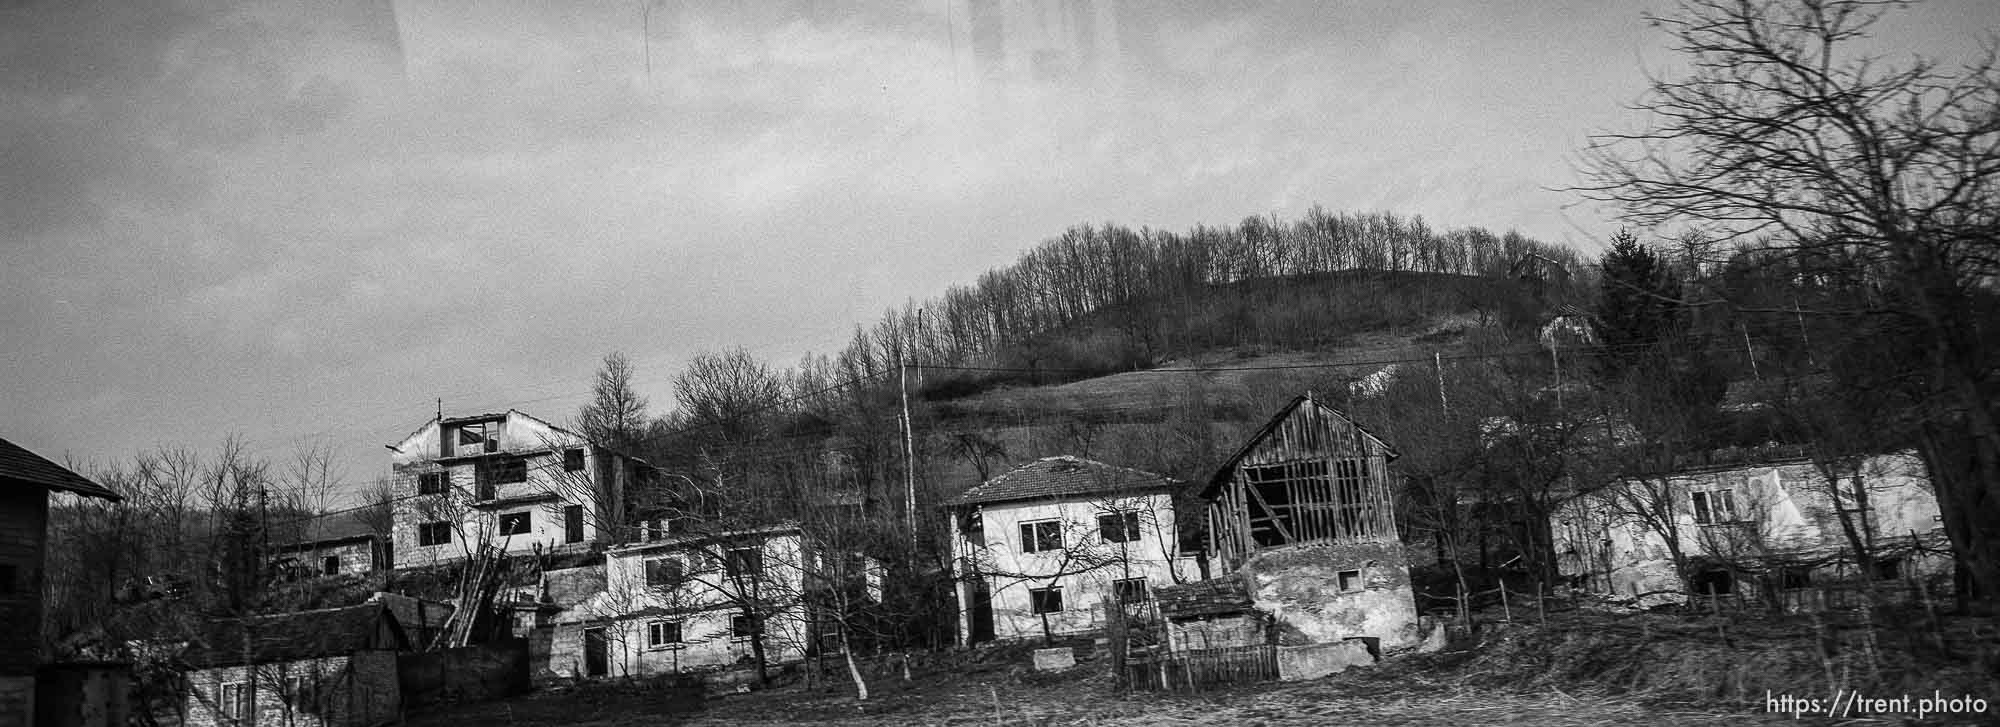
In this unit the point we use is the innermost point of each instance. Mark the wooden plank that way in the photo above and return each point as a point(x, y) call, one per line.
point(1283, 531)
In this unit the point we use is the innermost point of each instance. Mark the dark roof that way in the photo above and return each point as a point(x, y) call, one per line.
point(333, 528)
point(298, 635)
point(1222, 473)
point(20, 466)
point(1064, 476)
point(1213, 597)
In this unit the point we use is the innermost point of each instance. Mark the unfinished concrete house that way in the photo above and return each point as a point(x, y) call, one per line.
point(1771, 532)
point(508, 480)
point(1039, 549)
point(1303, 512)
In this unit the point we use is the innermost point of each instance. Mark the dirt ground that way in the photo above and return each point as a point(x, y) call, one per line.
point(1384, 695)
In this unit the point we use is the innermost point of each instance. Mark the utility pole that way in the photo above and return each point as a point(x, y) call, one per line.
point(909, 451)
point(1437, 361)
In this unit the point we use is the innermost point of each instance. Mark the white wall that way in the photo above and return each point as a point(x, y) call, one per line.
point(704, 604)
point(1084, 568)
point(1785, 509)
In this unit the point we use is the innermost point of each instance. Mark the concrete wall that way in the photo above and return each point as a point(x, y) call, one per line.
point(599, 488)
point(1299, 585)
point(355, 557)
point(1784, 510)
point(465, 674)
point(358, 691)
point(24, 517)
point(1084, 568)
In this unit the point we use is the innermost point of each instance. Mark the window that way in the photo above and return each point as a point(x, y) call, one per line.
point(741, 562)
point(1127, 590)
point(434, 483)
point(494, 471)
point(1045, 600)
point(1794, 577)
point(1041, 536)
point(1349, 581)
point(514, 523)
point(662, 634)
point(235, 701)
point(664, 572)
point(1714, 582)
point(654, 528)
point(573, 524)
point(742, 627)
point(1119, 527)
point(10, 584)
point(1850, 495)
point(434, 533)
point(1714, 506)
point(573, 460)
point(1888, 569)
point(330, 565)
point(480, 435)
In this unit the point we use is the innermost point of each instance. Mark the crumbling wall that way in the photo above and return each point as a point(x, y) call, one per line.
point(1301, 586)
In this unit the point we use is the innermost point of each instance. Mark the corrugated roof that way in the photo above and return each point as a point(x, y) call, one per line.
point(298, 635)
point(1063, 476)
point(20, 466)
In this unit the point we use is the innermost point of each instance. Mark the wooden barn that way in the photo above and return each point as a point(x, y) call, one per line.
point(1309, 475)
point(1304, 514)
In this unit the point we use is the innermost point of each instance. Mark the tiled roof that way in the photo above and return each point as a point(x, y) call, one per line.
point(298, 635)
point(1213, 597)
point(333, 527)
point(20, 466)
point(1065, 476)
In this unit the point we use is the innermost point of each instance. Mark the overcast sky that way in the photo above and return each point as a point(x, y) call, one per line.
point(309, 219)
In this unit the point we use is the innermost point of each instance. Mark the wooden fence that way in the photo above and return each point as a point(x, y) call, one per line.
point(1195, 671)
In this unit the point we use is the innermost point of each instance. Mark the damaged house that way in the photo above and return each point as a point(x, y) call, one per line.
point(1776, 530)
point(704, 601)
point(509, 480)
point(1040, 548)
point(325, 668)
point(1304, 515)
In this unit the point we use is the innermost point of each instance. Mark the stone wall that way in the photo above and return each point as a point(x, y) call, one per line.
point(1326, 592)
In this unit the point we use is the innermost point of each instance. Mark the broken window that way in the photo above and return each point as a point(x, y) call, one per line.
point(653, 529)
point(1714, 506)
point(1041, 536)
point(743, 562)
point(437, 533)
point(573, 460)
point(664, 572)
point(663, 633)
point(1119, 527)
point(573, 523)
point(514, 523)
point(1349, 581)
point(434, 483)
point(235, 701)
point(1714, 582)
point(480, 436)
point(1129, 590)
point(1045, 600)
point(330, 565)
point(742, 627)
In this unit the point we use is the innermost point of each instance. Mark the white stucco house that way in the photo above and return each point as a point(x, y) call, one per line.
point(1038, 549)
point(1772, 529)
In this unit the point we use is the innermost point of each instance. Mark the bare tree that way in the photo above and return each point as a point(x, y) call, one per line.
point(616, 414)
point(1888, 171)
